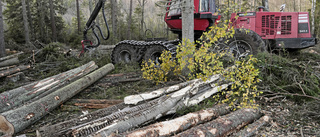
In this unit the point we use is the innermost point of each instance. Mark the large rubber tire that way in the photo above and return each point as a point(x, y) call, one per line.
point(124, 54)
point(154, 52)
point(245, 42)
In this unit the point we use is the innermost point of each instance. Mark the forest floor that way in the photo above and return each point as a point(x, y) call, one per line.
point(289, 118)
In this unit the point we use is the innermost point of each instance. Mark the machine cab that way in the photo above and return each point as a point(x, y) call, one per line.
point(204, 16)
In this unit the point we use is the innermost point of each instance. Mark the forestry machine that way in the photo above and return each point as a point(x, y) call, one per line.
point(289, 30)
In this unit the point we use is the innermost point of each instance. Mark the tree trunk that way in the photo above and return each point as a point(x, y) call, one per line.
point(78, 16)
point(174, 126)
point(135, 99)
point(28, 114)
point(41, 21)
point(30, 20)
point(2, 44)
point(187, 27)
point(61, 128)
point(114, 9)
point(187, 20)
point(94, 103)
point(90, 6)
point(10, 56)
point(13, 70)
point(142, 18)
point(28, 93)
point(9, 62)
point(312, 15)
point(224, 125)
point(249, 130)
point(129, 21)
point(25, 22)
point(53, 21)
point(265, 3)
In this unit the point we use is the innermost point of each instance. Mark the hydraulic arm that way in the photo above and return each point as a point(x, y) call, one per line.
point(91, 25)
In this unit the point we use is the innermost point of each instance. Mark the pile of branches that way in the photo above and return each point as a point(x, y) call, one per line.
point(131, 117)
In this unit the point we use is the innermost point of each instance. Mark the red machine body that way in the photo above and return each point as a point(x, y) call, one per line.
point(279, 29)
point(204, 16)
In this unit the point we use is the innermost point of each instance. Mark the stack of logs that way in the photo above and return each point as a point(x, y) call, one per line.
point(9, 68)
point(23, 106)
point(131, 117)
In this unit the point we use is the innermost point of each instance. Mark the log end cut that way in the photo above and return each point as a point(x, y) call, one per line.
point(5, 126)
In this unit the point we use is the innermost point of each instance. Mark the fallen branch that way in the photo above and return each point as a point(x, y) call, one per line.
point(16, 120)
point(94, 103)
point(10, 71)
point(167, 128)
point(36, 90)
point(224, 125)
point(292, 94)
point(62, 128)
point(252, 128)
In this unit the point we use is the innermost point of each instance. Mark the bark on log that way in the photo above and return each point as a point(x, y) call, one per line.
point(61, 128)
point(10, 56)
point(11, 71)
point(135, 99)
point(9, 62)
point(16, 120)
point(95, 103)
point(162, 106)
point(252, 128)
point(224, 125)
point(31, 92)
point(180, 124)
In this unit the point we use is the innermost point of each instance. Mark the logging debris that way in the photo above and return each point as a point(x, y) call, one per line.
point(27, 114)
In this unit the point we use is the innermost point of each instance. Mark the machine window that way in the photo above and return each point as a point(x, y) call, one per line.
point(204, 5)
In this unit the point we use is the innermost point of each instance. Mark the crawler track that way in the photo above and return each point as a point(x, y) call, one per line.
point(136, 51)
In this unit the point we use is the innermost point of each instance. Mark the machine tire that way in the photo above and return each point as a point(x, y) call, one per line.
point(123, 53)
point(153, 53)
point(246, 42)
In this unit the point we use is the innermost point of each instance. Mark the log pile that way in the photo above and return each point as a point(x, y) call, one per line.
point(9, 68)
point(147, 107)
point(23, 106)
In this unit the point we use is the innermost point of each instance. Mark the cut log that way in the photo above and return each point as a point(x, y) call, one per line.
point(252, 128)
point(11, 71)
point(31, 92)
point(94, 103)
point(61, 128)
point(10, 56)
point(135, 99)
point(7, 67)
point(224, 125)
point(180, 124)
point(155, 111)
point(16, 120)
point(15, 77)
point(9, 62)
